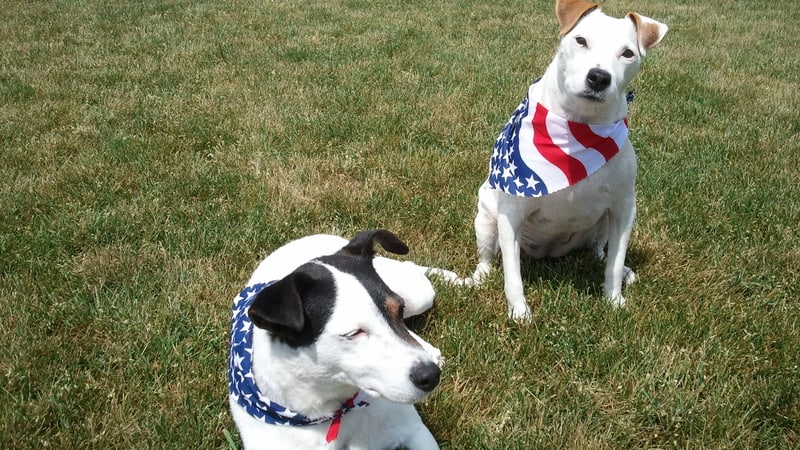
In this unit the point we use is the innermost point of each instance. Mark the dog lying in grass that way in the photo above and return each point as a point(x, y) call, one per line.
point(320, 356)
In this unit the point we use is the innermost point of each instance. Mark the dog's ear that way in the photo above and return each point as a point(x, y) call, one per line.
point(569, 12)
point(280, 305)
point(649, 32)
point(363, 244)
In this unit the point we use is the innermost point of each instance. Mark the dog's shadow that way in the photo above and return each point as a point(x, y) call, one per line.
point(420, 321)
point(582, 270)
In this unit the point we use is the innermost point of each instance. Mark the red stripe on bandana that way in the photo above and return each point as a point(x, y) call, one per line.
point(572, 168)
point(585, 136)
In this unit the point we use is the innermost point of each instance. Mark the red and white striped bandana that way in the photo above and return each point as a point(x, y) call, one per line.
point(539, 153)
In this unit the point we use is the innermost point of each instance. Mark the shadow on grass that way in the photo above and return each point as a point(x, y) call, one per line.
point(420, 321)
point(581, 269)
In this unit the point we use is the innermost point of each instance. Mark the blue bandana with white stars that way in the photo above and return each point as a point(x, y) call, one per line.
point(241, 382)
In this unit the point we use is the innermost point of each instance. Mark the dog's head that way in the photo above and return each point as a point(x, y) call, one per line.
point(599, 55)
point(337, 313)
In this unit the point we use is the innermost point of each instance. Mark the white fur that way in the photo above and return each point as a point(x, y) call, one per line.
point(315, 380)
point(595, 212)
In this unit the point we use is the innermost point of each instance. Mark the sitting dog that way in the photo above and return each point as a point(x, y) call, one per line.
point(563, 172)
point(320, 356)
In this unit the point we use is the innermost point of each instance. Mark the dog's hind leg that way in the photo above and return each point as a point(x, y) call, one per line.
point(601, 240)
point(407, 280)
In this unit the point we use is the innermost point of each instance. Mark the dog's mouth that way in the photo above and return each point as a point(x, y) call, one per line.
point(398, 396)
point(593, 96)
point(372, 392)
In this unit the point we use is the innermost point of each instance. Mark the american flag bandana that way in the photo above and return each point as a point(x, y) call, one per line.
point(241, 383)
point(539, 153)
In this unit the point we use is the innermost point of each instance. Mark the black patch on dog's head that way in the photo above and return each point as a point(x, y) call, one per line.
point(356, 259)
point(295, 309)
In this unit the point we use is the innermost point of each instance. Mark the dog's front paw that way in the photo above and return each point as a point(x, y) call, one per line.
point(520, 313)
point(617, 301)
point(628, 276)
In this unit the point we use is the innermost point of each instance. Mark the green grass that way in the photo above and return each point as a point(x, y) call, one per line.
point(153, 152)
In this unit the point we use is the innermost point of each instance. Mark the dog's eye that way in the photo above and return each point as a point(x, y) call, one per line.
point(581, 41)
point(355, 334)
point(628, 53)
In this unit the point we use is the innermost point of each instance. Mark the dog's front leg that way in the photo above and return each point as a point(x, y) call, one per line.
point(620, 225)
point(510, 215)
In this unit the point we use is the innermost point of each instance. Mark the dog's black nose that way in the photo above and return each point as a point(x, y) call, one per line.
point(598, 79)
point(425, 376)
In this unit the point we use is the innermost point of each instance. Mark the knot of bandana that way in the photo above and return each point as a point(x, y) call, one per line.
point(241, 383)
point(539, 153)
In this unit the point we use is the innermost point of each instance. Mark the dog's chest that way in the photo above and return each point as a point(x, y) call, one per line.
point(569, 218)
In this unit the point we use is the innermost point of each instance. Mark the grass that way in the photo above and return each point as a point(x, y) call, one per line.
point(153, 152)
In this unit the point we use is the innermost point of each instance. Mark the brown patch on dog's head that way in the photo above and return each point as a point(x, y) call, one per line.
point(394, 307)
point(569, 12)
point(648, 32)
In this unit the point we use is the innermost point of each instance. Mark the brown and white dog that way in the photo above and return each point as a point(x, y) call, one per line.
point(563, 172)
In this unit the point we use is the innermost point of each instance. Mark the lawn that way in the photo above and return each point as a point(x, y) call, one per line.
point(151, 153)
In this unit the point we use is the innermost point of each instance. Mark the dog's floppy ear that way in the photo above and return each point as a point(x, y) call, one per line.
point(363, 244)
point(649, 32)
point(569, 12)
point(296, 308)
point(280, 305)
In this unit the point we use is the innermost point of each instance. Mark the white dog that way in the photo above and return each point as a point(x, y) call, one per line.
point(320, 356)
point(563, 172)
